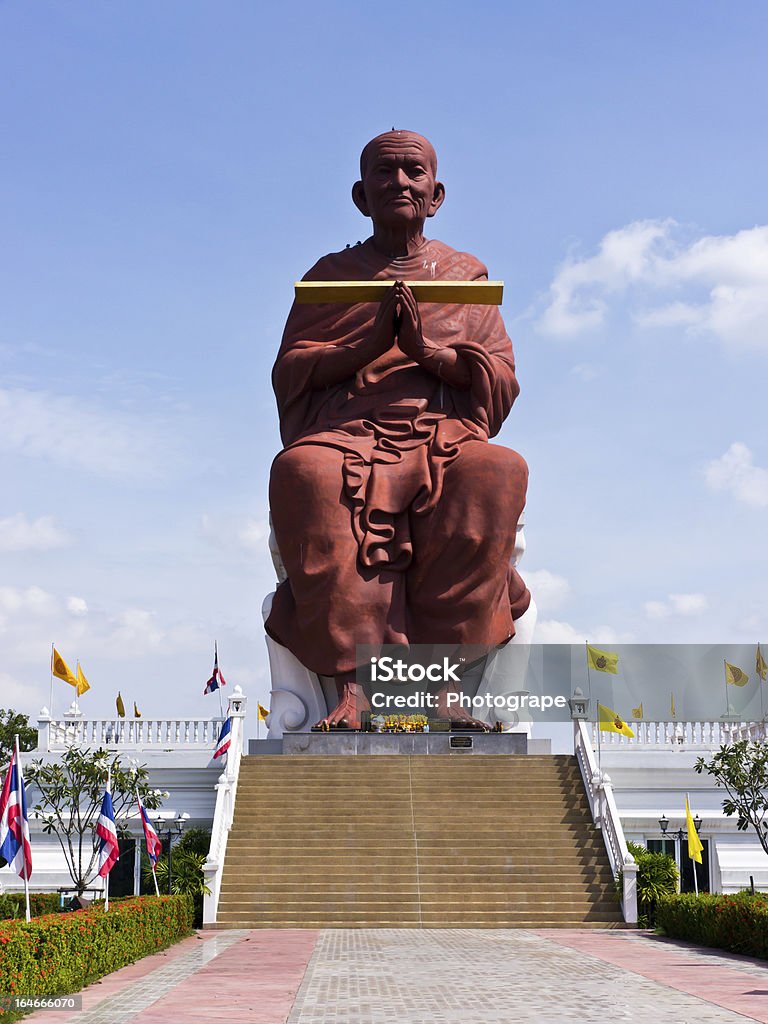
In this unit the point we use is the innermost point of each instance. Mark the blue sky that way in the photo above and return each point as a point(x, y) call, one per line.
point(168, 170)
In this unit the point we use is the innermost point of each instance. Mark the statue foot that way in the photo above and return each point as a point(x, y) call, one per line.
point(454, 711)
point(352, 702)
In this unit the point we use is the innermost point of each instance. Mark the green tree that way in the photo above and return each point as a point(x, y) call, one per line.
point(70, 791)
point(11, 723)
point(741, 769)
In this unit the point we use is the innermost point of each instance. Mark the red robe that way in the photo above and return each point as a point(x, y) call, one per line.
point(394, 516)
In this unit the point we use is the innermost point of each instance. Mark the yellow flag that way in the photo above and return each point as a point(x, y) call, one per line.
point(119, 705)
point(82, 682)
point(609, 721)
point(638, 711)
point(61, 669)
point(761, 665)
point(734, 676)
point(672, 707)
point(262, 712)
point(602, 661)
point(136, 712)
point(695, 846)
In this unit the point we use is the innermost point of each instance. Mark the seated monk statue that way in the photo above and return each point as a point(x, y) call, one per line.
point(394, 515)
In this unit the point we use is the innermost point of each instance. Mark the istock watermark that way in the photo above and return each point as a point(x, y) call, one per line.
point(536, 682)
point(387, 669)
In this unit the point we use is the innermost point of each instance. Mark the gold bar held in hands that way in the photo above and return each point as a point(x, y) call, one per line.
point(463, 293)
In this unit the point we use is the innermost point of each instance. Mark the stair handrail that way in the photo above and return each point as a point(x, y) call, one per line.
point(224, 812)
point(605, 813)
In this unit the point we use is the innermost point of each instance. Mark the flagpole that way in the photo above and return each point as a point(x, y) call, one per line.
point(725, 683)
point(19, 784)
point(50, 702)
point(760, 681)
point(218, 680)
point(106, 880)
point(154, 875)
point(691, 859)
point(589, 688)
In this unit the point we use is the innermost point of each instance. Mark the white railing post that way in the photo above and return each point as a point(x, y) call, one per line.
point(44, 730)
point(629, 901)
point(223, 815)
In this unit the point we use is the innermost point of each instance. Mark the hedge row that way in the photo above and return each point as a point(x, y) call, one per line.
point(738, 923)
point(61, 953)
point(12, 904)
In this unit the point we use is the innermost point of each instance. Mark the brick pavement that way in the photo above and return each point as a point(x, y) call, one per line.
point(431, 976)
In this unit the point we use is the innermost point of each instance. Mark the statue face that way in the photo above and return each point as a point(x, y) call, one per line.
point(399, 187)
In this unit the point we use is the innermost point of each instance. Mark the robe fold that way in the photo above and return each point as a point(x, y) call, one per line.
point(394, 516)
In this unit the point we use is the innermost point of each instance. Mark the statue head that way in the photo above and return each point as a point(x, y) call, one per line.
point(398, 186)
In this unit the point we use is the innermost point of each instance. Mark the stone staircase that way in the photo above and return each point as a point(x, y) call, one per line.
point(466, 841)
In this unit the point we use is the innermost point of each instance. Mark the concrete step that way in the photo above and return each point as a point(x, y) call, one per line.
point(390, 841)
point(419, 923)
point(241, 837)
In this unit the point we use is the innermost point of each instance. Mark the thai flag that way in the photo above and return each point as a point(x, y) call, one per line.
point(109, 850)
point(154, 846)
point(217, 679)
point(225, 738)
point(14, 822)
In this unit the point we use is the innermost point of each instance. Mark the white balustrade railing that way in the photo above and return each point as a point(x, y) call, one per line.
point(702, 735)
point(605, 814)
point(223, 815)
point(126, 733)
point(754, 732)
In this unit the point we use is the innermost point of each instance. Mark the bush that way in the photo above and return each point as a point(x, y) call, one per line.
point(13, 904)
point(656, 877)
point(738, 923)
point(60, 953)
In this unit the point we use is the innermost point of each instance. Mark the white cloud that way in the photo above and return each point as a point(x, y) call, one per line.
point(17, 693)
point(77, 606)
point(578, 293)
point(32, 601)
point(736, 473)
point(723, 280)
point(67, 431)
point(142, 632)
point(17, 533)
point(549, 590)
point(677, 604)
point(251, 534)
point(553, 631)
point(30, 618)
point(254, 535)
point(550, 631)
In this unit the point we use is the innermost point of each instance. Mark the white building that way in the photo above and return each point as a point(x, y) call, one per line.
point(632, 783)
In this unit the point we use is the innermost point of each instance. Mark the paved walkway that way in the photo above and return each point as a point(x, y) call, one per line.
point(408, 976)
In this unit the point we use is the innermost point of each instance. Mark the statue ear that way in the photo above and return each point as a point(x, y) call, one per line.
point(358, 198)
point(437, 199)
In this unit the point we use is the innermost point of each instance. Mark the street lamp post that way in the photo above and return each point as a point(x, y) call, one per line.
point(681, 834)
point(173, 833)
